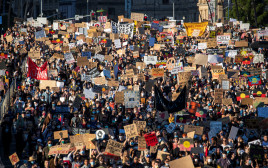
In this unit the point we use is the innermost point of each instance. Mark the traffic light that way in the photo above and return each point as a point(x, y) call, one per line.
point(92, 15)
point(145, 17)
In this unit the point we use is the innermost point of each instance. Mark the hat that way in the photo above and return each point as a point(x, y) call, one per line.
point(32, 158)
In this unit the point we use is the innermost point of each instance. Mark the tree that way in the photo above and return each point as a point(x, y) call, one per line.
point(246, 10)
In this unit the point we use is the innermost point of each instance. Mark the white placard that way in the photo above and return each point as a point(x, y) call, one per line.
point(150, 60)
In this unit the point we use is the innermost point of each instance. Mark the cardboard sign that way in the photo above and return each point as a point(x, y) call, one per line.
point(34, 54)
point(186, 144)
point(190, 134)
point(201, 59)
point(151, 139)
point(233, 133)
point(227, 101)
point(114, 148)
point(156, 72)
point(131, 131)
point(14, 158)
point(162, 155)
point(119, 97)
point(82, 61)
point(137, 16)
point(184, 162)
point(241, 43)
point(47, 83)
point(218, 96)
point(59, 149)
point(87, 139)
point(198, 130)
point(247, 101)
point(141, 125)
point(141, 144)
point(183, 77)
point(216, 73)
point(60, 134)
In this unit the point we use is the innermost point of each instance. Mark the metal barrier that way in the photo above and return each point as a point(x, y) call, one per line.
point(6, 101)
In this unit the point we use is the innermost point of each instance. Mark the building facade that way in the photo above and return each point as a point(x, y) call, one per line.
point(210, 10)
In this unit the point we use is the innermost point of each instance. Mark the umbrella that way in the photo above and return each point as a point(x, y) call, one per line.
point(259, 44)
point(101, 10)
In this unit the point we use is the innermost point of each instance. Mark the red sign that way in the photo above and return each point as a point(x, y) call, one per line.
point(151, 139)
point(35, 72)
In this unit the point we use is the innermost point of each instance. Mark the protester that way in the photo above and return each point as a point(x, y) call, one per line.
point(144, 94)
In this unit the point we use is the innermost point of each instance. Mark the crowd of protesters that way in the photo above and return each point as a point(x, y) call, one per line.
point(32, 117)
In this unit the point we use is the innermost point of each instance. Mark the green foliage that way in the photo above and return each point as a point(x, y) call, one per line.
point(247, 14)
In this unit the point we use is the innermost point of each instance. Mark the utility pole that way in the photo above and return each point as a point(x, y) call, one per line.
point(237, 13)
point(255, 15)
point(9, 12)
point(173, 11)
point(87, 10)
point(41, 8)
point(210, 11)
point(228, 9)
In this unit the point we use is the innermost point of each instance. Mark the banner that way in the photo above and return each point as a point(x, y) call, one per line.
point(35, 72)
point(193, 28)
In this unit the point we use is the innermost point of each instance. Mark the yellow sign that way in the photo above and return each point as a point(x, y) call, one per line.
point(195, 29)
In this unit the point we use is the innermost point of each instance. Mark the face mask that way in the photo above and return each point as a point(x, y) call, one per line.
point(82, 152)
point(131, 143)
point(165, 149)
point(92, 163)
point(58, 126)
point(28, 115)
point(49, 145)
point(32, 162)
point(80, 115)
point(209, 160)
point(249, 162)
point(196, 160)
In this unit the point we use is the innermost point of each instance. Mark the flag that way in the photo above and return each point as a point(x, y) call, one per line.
point(254, 80)
point(58, 40)
point(162, 104)
point(241, 95)
point(244, 73)
point(259, 93)
point(201, 113)
point(51, 31)
point(35, 72)
point(3, 55)
point(104, 41)
point(246, 60)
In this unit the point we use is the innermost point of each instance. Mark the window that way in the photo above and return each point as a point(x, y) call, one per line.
point(165, 2)
point(111, 11)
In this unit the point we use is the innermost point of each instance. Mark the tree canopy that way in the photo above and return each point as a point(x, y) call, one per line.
point(246, 11)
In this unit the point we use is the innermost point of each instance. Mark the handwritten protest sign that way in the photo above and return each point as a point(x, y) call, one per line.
point(60, 134)
point(151, 139)
point(198, 129)
point(114, 148)
point(131, 131)
point(141, 143)
point(140, 125)
point(14, 158)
